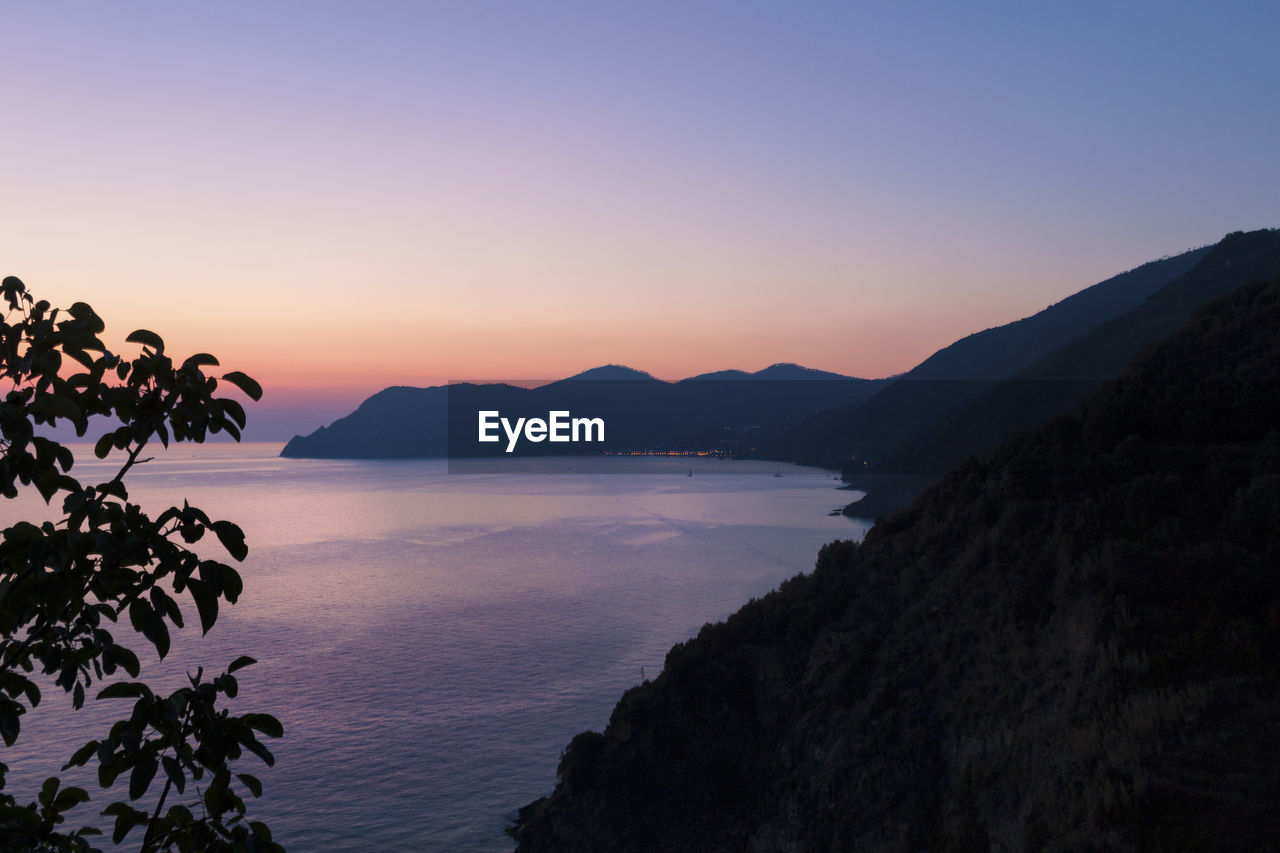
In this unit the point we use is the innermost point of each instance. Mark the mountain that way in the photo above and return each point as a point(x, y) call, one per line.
point(720, 376)
point(1072, 643)
point(995, 353)
point(787, 371)
point(957, 374)
point(642, 413)
point(1058, 380)
point(610, 372)
point(391, 420)
point(783, 370)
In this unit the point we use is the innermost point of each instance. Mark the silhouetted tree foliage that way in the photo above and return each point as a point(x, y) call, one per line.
point(68, 587)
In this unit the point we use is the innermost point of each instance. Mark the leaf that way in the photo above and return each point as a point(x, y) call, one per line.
point(201, 359)
point(173, 770)
point(245, 383)
point(32, 691)
point(164, 603)
point(232, 538)
point(69, 798)
point(232, 585)
point(140, 779)
point(11, 287)
point(251, 782)
point(147, 339)
point(23, 531)
point(48, 791)
point(80, 355)
point(147, 622)
point(241, 662)
point(158, 633)
point(227, 684)
point(104, 445)
point(234, 410)
point(114, 488)
point(128, 660)
point(48, 483)
point(206, 603)
point(125, 690)
point(179, 814)
point(155, 630)
point(264, 723)
point(9, 725)
point(258, 749)
point(213, 796)
point(82, 755)
point(81, 310)
point(127, 818)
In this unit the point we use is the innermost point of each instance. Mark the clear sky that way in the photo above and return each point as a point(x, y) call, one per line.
point(336, 197)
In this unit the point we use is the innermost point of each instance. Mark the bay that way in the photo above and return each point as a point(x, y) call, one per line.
point(432, 641)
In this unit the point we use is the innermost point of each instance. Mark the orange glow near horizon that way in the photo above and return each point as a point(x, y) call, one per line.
point(311, 346)
point(347, 199)
point(328, 358)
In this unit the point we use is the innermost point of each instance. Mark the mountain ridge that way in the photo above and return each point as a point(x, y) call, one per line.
point(729, 416)
point(1070, 643)
point(957, 373)
point(1064, 376)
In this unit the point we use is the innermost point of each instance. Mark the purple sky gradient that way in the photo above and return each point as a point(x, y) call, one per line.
point(336, 197)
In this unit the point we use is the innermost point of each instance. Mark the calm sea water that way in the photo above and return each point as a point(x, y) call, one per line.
point(432, 641)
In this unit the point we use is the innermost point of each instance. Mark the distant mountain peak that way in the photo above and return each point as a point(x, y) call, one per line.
point(720, 375)
point(612, 372)
point(791, 370)
point(781, 370)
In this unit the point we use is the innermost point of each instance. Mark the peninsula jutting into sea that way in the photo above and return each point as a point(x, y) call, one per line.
point(890, 437)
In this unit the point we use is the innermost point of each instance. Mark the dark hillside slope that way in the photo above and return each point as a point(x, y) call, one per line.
point(997, 352)
point(956, 374)
point(1072, 644)
point(1058, 381)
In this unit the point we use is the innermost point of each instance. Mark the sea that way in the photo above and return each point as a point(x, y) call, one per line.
point(431, 640)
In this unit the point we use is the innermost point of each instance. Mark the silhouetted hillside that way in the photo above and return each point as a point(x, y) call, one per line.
point(733, 415)
point(1071, 644)
point(954, 376)
point(393, 423)
point(996, 353)
point(1059, 380)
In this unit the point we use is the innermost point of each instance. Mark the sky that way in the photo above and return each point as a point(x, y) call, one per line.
point(338, 197)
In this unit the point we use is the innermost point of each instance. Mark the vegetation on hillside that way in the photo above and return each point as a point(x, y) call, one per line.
point(1059, 380)
point(959, 373)
point(1071, 643)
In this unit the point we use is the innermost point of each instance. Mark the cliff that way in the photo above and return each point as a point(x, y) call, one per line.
point(1071, 643)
